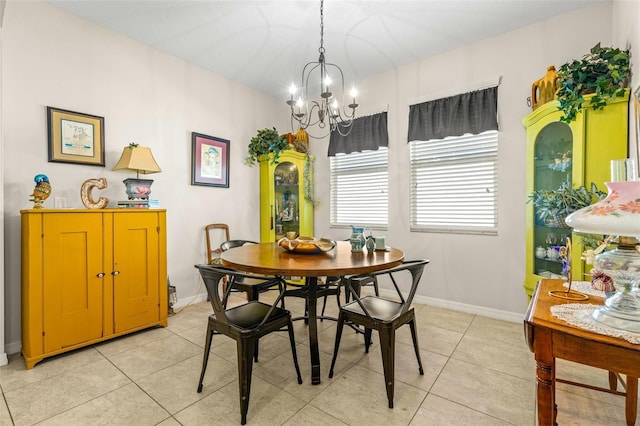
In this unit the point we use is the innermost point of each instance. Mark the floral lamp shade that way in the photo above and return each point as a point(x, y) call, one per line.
point(617, 214)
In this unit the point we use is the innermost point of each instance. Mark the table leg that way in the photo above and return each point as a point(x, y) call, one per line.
point(631, 400)
point(545, 378)
point(312, 288)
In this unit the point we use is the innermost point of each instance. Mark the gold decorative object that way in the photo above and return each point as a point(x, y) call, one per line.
point(307, 245)
point(565, 255)
point(87, 198)
point(301, 141)
point(544, 89)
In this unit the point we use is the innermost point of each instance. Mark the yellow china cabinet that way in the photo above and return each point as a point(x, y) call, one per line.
point(580, 152)
point(90, 275)
point(283, 206)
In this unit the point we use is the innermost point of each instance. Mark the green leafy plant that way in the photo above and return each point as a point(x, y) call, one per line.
point(604, 71)
point(265, 142)
point(590, 241)
point(552, 206)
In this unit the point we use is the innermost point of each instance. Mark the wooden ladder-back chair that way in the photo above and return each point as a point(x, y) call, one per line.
point(245, 324)
point(213, 249)
point(383, 315)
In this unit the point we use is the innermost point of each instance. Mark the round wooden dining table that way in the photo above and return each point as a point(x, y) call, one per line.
point(271, 259)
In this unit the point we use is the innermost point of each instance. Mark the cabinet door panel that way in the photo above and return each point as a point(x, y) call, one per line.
point(73, 290)
point(136, 261)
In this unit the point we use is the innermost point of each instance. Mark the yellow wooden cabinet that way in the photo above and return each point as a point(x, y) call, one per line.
point(580, 151)
point(283, 207)
point(90, 275)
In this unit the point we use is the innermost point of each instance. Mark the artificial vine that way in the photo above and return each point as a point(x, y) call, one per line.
point(307, 175)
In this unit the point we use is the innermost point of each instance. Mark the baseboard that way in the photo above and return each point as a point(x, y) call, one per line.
point(462, 307)
point(181, 303)
point(12, 348)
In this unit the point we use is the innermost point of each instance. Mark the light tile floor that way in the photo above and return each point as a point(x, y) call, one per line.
point(478, 371)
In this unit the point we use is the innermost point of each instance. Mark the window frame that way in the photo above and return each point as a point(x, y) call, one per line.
point(350, 166)
point(449, 156)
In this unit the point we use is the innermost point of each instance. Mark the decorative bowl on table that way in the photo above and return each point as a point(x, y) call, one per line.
point(307, 245)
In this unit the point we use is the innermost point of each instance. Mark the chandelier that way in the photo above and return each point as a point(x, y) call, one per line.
point(327, 109)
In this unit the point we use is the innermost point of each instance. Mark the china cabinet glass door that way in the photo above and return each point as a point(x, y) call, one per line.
point(553, 165)
point(287, 206)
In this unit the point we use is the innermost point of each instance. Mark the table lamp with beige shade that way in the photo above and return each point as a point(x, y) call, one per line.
point(619, 215)
point(140, 159)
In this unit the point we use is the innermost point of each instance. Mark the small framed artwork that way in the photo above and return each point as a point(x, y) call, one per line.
point(209, 161)
point(75, 137)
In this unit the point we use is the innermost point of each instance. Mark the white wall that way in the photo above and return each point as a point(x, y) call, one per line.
point(626, 34)
point(479, 272)
point(52, 58)
point(3, 352)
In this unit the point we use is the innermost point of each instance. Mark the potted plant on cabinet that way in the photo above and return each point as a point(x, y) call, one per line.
point(265, 142)
point(553, 206)
point(604, 71)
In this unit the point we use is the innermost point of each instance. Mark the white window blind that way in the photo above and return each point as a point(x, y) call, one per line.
point(359, 188)
point(453, 184)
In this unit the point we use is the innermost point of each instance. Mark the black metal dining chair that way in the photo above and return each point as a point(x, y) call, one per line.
point(356, 284)
point(383, 315)
point(246, 324)
point(253, 284)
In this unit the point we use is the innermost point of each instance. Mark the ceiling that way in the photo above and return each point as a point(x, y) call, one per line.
point(265, 44)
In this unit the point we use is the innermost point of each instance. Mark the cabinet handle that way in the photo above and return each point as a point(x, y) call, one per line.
point(115, 273)
point(100, 275)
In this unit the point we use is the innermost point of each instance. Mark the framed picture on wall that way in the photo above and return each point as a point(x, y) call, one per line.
point(75, 137)
point(209, 161)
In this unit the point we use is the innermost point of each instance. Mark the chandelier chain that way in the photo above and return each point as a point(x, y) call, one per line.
point(321, 49)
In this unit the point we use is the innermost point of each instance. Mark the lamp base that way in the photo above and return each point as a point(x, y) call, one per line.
point(616, 319)
point(622, 264)
point(138, 189)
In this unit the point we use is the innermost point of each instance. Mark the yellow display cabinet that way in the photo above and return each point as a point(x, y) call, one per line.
point(89, 276)
point(580, 151)
point(283, 207)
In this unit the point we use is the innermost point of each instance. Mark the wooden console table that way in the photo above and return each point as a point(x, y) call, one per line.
point(549, 338)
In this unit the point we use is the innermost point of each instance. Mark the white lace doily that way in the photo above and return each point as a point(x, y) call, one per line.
point(584, 287)
point(579, 315)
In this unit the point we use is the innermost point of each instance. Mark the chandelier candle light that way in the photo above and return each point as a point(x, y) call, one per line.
point(328, 109)
point(618, 214)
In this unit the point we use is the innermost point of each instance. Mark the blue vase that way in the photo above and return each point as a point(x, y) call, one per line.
point(357, 238)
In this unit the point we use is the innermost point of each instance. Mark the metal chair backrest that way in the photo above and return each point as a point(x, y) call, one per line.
point(414, 267)
point(229, 244)
point(208, 230)
point(213, 277)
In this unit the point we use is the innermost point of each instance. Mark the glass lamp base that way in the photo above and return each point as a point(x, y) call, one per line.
point(617, 320)
point(622, 264)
